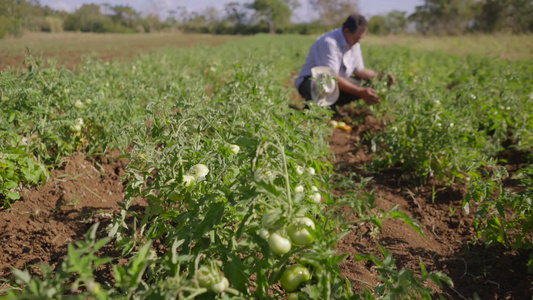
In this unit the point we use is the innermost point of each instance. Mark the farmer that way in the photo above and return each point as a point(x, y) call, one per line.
point(334, 67)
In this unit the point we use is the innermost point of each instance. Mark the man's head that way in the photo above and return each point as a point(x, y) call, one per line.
point(354, 28)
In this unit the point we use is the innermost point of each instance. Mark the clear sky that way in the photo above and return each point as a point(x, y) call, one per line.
point(368, 7)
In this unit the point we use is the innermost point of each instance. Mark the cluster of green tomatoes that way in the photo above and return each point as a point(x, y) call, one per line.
point(280, 238)
point(280, 242)
point(209, 276)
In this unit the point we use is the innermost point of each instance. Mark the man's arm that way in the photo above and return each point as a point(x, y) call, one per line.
point(368, 74)
point(367, 94)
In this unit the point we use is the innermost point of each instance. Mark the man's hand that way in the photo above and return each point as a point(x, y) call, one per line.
point(391, 80)
point(370, 96)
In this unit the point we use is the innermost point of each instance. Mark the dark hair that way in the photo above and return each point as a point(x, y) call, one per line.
point(355, 21)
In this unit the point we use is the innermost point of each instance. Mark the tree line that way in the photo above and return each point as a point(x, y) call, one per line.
point(273, 16)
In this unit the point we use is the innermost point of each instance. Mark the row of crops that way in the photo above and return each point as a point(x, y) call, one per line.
point(459, 120)
point(238, 184)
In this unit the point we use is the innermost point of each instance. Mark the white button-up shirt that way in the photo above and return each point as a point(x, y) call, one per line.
point(332, 50)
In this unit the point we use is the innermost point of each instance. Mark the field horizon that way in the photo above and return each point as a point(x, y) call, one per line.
point(68, 48)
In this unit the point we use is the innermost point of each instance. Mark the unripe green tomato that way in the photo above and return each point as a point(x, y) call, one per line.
point(316, 198)
point(219, 287)
point(304, 221)
point(299, 170)
point(279, 244)
point(333, 124)
point(235, 149)
point(293, 296)
point(75, 128)
point(263, 233)
point(79, 105)
point(188, 180)
point(311, 171)
point(204, 277)
point(199, 171)
point(294, 276)
point(298, 232)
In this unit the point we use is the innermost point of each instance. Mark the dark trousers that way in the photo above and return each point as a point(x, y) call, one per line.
point(344, 98)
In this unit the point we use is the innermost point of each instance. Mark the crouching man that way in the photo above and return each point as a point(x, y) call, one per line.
point(334, 68)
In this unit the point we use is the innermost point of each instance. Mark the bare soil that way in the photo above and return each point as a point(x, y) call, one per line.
point(478, 272)
point(38, 228)
point(86, 190)
point(68, 49)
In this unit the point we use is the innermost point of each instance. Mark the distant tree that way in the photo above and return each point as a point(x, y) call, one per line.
point(5, 26)
point(90, 18)
point(213, 19)
point(194, 22)
point(236, 13)
point(151, 23)
point(396, 21)
point(505, 15)
point(377, 25)
point(171, 21)
point(334, 12)
point(106, 8)
point(87, 18)
point(393, 22)
point(16, 15)
point(276, 13)
point(212, 14)
point(444, 16)
point(181, 16)
point(53, 24)
point(125, 15)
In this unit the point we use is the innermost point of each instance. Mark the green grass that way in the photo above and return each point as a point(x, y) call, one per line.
point(68, 48)
point(506, 46)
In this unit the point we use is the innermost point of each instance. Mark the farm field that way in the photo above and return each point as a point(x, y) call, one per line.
point(69, 49)
point(213, 168)
point(505, 46)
